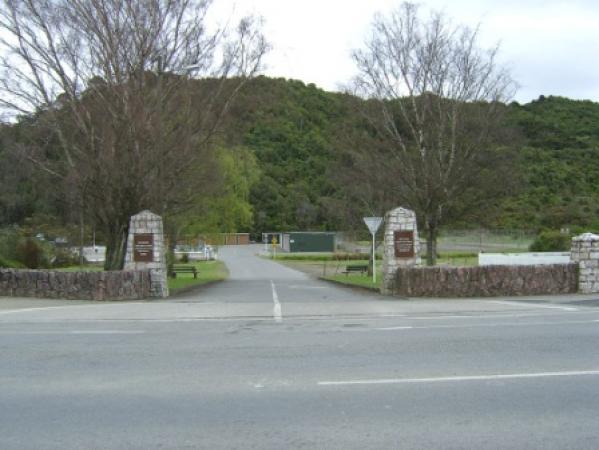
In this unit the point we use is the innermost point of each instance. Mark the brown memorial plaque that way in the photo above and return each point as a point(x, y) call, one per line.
point(143, 247)
point(404, 244)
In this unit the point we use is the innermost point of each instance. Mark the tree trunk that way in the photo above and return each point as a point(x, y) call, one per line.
point(431, 243)
point(171, 237)
point(116, 246)
point(81, 238)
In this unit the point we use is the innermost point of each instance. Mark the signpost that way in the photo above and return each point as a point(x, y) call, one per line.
point(373, 224)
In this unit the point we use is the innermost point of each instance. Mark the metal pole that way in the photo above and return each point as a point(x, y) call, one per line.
point(373, 262)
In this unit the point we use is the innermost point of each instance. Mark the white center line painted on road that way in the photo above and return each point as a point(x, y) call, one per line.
point(277, 314)
point(533, 305)
point(295, 286)
point(394, 328)
point(106, 332)
point(511, 376)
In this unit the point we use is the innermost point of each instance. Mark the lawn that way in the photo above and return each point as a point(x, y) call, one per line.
point(360, 280)
point(208, 271)
point(323, 266)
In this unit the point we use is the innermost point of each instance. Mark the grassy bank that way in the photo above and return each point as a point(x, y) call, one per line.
point(331, 267)
point(359, 280)
point(208, 272)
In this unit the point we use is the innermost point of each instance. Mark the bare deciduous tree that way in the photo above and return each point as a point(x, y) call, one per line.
point(116, 85)
point(440, 106)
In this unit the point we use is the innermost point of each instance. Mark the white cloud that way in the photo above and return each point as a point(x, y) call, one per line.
point(552, 46)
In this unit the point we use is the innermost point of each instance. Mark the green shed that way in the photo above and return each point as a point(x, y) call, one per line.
point(298, 242)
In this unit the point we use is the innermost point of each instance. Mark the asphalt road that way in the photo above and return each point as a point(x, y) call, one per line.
point(272, 359)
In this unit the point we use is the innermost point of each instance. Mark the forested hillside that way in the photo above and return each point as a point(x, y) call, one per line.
point(299, 136)
point(560, 163)
point(292, 130)
point(299, 132)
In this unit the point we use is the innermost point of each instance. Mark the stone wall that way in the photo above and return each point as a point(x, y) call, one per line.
point(585, 252)
point(485, 281)
point(121, 285)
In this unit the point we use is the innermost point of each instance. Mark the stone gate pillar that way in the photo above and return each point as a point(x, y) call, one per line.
point(401, 245)
point(146, 250)
point(585, 252)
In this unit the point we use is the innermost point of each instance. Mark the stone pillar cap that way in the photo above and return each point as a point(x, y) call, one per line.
point(586, 237)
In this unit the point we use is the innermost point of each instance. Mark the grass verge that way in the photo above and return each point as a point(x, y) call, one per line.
point(208, 272)
point(363, 281)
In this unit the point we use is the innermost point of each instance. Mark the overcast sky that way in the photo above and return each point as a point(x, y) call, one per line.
point(551, 46)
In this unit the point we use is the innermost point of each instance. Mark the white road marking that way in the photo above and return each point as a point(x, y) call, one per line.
point(106, 332)
point(484, 325)
point(533, 305)
point(55, 332)
point(395, 328)
point(277, 314)
point(15, 311)
point(44, 308)
point(296, 286)
point(478, 316)
point(511, 376)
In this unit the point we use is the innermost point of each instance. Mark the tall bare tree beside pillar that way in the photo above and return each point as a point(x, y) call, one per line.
point(114, 86)
point(438, 110)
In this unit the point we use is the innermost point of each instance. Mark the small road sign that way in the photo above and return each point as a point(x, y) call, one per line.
point(373, 224)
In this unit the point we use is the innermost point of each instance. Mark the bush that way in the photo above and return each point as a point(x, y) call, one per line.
point(9, 238)
point(64, 258)
point(184, 258)
point(551, 241)
point(31, 254)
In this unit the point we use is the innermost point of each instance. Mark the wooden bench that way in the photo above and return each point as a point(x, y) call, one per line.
point(184, 269)
point(353, 268)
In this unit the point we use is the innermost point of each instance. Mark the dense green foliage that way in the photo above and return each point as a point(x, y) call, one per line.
point(282, 151)
point(291, 128)
point(560, 163)
point(299, 133)
point(551, 241)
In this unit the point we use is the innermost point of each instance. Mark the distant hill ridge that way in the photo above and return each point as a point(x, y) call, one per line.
point(296, 131)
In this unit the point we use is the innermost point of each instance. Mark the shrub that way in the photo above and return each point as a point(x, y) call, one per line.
point(184, 258)
point(9, 238)
point(31, 254)
point(551, 241)
point(64, 258)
